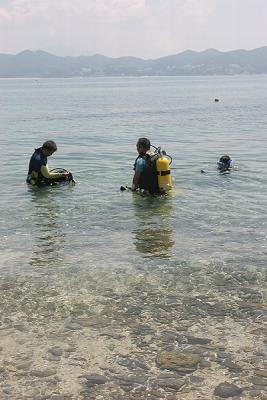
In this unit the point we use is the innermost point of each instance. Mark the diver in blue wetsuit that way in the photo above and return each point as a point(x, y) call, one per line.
point(38, 173)
point(145, 172)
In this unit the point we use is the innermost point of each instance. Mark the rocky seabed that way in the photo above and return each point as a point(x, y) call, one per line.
point(184, 331)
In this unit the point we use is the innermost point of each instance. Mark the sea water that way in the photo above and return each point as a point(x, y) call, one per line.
point(83, 241)
point(96, 123)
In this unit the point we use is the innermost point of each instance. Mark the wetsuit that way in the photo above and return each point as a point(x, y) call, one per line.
point(224, 164)
point(39, 174)
point(148, 173)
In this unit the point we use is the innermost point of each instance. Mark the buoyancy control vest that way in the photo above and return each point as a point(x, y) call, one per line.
point(148, 177)
point(156, 176)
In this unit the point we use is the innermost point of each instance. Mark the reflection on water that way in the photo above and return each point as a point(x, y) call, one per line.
point(49, 239)
point(153, 237)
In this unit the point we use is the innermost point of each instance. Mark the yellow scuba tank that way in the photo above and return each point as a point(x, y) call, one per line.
point(164, 172)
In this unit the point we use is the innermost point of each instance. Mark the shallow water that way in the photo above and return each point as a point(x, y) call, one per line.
point(92, 252)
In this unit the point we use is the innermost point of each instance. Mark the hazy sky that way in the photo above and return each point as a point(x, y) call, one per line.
point(142, 28)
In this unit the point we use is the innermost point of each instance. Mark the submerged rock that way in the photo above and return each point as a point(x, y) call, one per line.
point(197, 340)
point(261, 372)
point(42, 373)
point(231, 366)
point(226, 390)
point(131, 379)
point(95, 379)
point(182, 362)
point(172, 383)
point(73, 326)
point(55, 351)
point(259, 381)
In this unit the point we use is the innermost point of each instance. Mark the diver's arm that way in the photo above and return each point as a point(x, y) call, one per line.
point(136, 179)
point(51, 175)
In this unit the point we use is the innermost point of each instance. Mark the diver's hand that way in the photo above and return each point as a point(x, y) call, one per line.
point(67, 174)
point(123, 188)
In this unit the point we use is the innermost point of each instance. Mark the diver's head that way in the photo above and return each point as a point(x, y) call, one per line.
point(224, 163)
point(143, 145)
point(49, 147)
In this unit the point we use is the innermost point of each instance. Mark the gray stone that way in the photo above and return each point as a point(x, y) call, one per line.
point(20, 327)
point(53, 380)
point(70, 349)
point(42, 373)
point(94, 379)
point(23, 365)
point(51, 357)
point(172, 383)
point(168, 336)
point(132, 378)
point(171, 397)
point(56, 351)
point(126, 386)
point(231, 366)
point(259, 380)
point(73, 326)
point(259, 354)
point(222, 354)
point(205, 364)
point(197, 340)
point(141, 365)
point(226, 390)
point(112, 335)
point(125, 361)
point(196, 379)
point(261, 372)
point(7, 390)
point(33, 392)
point(154, 393)
point(254, 393)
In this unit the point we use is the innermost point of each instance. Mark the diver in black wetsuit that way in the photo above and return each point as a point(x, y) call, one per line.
point(39, 173)
point(224, 164)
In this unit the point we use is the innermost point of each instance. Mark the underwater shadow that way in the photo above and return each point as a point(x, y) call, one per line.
point(49, 239)
point(153, 236)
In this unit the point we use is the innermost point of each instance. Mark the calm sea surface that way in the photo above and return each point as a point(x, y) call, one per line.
point(96, 123)
point(111, 278)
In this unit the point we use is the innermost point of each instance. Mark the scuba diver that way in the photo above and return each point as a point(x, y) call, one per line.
point(152, 169)
point(224, 165)
point(39, 173)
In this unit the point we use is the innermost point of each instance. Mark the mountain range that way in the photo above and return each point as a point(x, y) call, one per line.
point(188, 63)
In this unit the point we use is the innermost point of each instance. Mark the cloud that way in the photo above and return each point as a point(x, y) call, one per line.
point(145, 28)
point(196, 8)
point(26, 9)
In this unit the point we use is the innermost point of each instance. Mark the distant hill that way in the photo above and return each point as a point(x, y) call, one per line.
point(209, 62)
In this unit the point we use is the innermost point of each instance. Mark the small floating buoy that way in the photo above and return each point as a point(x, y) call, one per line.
point(216, 100)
